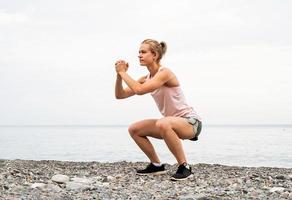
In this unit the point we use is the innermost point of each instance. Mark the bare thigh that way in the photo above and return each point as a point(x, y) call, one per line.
point(153, 127)
point(180, 125)
point(145, 127)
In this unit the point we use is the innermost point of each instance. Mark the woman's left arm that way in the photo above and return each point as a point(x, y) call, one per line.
point(150, 85)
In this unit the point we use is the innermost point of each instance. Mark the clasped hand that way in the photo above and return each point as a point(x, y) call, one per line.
point(121, 66)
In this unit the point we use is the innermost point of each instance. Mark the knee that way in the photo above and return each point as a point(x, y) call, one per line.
point(133, 130)
point(163, 125)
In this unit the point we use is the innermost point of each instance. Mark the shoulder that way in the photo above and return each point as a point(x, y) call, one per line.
point(167, 72)
point(164, 69)
point(171, 79)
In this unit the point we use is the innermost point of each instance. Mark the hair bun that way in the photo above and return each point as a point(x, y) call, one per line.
point(163, 47)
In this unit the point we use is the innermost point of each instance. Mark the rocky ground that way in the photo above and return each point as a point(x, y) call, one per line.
point(22, 179)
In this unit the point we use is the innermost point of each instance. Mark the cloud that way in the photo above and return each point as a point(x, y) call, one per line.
point(11, 18)
point(226, 54)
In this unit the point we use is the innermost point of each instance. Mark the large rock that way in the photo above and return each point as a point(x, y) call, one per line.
point(59, 178)
point(77, 186)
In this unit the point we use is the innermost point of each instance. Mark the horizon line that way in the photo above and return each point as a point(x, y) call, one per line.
point(125, 125)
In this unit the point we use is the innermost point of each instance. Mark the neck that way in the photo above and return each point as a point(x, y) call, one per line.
point(153, 69)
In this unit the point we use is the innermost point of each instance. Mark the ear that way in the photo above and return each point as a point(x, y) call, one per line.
point(155, 56)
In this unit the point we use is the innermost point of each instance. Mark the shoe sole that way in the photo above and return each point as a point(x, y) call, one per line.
point(153, 173)
point(181, 179)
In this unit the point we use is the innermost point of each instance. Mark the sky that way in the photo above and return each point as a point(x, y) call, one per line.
point(232, 58)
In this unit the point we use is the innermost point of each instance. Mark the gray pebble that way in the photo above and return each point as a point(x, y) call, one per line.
point(38, 185)
point(187, 197)
point(21, 179)
point(282, 177)
point(277, 189)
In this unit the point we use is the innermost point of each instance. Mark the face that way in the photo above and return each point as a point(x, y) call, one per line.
point(146, 57)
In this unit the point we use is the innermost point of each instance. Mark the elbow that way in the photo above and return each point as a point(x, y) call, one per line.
point(139, 92)
point(118, 97)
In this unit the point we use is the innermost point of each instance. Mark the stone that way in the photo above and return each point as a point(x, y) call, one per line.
point(202, 197)
point(277, 189)
point(244, 191)
point(280, 177)
point(38, 185)
point(5, 187)
point(119, 181)
point(191, 197)
point(119, 176)
point(105, 184)
point(53, 187)
point(110, 178)
point(98, 178)
point(82, 180)
point(77, 186)
point(285, 195)
point(59, 178)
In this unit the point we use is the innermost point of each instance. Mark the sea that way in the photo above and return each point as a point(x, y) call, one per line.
point(233, 145)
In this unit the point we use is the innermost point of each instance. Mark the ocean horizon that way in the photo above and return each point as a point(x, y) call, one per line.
point(125, 125)
point(253, 145)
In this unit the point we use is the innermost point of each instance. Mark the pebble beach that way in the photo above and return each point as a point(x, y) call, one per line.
point(27, 179)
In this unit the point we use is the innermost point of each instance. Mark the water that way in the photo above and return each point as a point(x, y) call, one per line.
point(269, 146)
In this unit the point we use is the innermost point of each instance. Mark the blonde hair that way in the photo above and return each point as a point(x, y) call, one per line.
point(156, 47)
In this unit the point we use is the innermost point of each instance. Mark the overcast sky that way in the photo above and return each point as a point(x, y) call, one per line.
point(233, 59)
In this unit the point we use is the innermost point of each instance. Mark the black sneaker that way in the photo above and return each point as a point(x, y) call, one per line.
point(152, 169)
point(183, 172)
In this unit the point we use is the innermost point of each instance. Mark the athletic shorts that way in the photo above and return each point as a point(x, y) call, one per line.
point(197, 127)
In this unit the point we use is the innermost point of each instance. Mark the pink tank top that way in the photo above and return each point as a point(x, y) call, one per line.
point(172, 102)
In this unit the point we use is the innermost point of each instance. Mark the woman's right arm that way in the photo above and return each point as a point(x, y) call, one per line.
point(122, 93)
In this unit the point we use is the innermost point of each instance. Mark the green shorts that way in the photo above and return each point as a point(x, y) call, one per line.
point(197, 127)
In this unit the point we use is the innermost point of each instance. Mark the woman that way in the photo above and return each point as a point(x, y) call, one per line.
point(179, 120)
